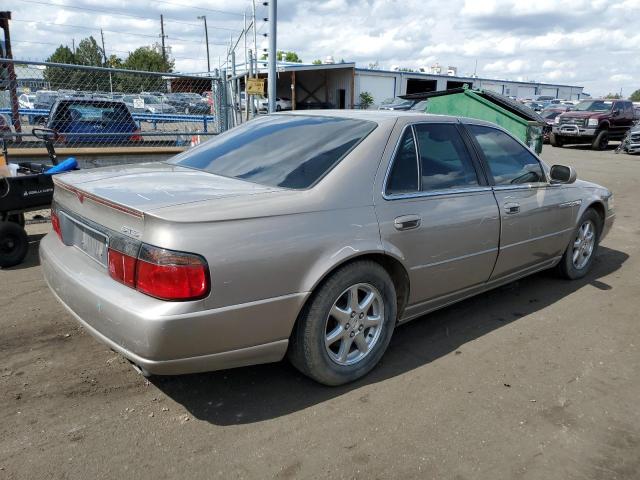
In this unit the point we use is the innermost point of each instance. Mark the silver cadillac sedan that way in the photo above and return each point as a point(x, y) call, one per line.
point(310, 235)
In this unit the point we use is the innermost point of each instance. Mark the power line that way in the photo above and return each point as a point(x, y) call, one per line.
point(113, 12)
point(110, 50)
point(226, 12)
point(119, 32)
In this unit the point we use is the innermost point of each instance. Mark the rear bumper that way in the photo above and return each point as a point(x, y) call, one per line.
point(166, 338)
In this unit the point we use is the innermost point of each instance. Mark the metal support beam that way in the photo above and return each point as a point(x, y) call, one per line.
point(273, 54)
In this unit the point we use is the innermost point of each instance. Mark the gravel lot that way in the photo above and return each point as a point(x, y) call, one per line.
point(536, 380)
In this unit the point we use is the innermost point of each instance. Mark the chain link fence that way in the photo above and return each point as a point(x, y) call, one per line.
point(92, 107)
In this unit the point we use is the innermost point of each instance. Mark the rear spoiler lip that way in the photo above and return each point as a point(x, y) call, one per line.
point(82, 195)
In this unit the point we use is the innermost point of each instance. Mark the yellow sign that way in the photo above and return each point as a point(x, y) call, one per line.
point(255, 86)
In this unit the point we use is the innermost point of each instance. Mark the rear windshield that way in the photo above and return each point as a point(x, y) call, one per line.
point(290, 151)
point(88, 112)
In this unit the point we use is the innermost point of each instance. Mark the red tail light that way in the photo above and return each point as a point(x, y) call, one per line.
point(122, 268)
point(136, 137)
point(161, 273)
point(55, 223)
point(171, 275)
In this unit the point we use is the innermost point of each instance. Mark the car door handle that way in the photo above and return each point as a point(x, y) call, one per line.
point(511, 208)
point(407, 222)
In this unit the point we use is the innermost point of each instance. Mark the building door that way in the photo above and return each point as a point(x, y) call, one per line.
point(342, 94)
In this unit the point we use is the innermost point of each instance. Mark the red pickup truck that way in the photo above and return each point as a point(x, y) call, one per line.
point(593, 122)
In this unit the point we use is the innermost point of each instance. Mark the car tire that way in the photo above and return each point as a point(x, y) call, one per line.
point(311, 349)
point(14, 244)
point(578, 257)
point(278, 108)
point(555, 141)
point(601, 142)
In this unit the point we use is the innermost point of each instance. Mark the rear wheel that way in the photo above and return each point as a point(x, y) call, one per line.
point(14, 244)
point(578, 258)
point(601, 142)
point(555, 140)
point(346, 327)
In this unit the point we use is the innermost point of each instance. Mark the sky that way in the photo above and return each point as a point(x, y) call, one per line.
point(595, 44)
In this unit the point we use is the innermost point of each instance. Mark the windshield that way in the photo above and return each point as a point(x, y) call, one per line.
point(594, 106)
point(150, 99)
point(290, 151)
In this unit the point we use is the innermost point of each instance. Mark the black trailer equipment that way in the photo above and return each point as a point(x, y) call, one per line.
point(32, 190)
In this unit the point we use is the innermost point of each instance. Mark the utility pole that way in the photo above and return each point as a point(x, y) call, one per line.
point(272, 78)
point(206, 39)
point(163, 36)
point(255, 41)
point(13, 80)
point(104, 56)
point(73, 44)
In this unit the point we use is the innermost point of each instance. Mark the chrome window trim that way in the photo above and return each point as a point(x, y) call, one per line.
point(420, 194)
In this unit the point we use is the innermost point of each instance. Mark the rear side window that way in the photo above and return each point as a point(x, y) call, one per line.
point(509, 162)
point(444, 159)
point(403, 177)
point(290, 151)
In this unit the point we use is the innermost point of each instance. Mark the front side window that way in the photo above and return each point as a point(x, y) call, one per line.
point(445, 162)
point(290, 151)
point(509, 162)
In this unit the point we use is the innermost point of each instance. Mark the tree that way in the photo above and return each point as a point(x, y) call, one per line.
point(283, 56)
point(635, 96)
point(317, 62)
point(366, 100)
point(62, 54)
point(149, 59)
point(89, 53)
point(613, 96)
point(58, 77)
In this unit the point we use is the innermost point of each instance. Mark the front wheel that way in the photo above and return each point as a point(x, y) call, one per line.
point(601, 142)
point(346, 327)
point(555, 141)
point(578, 258)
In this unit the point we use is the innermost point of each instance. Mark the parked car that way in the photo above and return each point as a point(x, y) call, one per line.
point(549, 116)
point(631, 142)
point(92, 121)
point(535, 106)
point(303, 234)
point(396, 104)
point(44, 101)
point(593, 122)
point(282, 103)
point(27, 101)
point(420, 106)
point(153, 104)
point(187, 103)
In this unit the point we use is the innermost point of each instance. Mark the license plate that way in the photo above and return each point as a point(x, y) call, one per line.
point(87, 240)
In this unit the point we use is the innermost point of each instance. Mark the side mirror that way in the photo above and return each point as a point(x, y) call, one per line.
point(563, 174)
point(616, 112)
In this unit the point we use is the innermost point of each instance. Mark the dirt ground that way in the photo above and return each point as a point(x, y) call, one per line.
point(535, 380)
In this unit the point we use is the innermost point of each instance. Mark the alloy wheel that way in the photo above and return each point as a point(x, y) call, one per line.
point(354, 324)
point(584, 244)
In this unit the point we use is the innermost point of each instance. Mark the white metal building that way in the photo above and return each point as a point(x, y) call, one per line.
point(339, 85)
